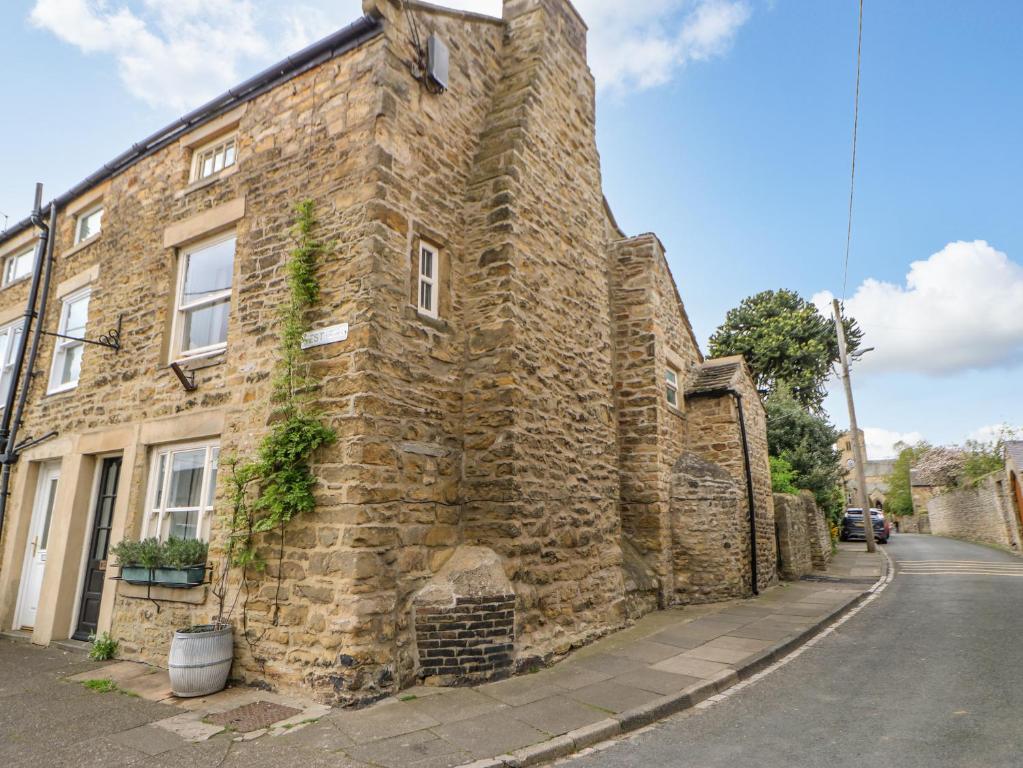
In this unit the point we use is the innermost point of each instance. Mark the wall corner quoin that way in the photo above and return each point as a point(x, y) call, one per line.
point(560, 15)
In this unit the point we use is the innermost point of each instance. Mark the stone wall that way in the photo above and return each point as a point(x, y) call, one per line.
point(709, 545)
point(818, 531)
point(651, 333)
point(712, 432)
point(793, 536)
point(984, 513)
point(541, 484)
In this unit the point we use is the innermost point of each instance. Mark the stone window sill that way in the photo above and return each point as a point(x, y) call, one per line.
point(81, 246)
point(437, 323)
point(209, 181)
point(19, 281)
point(198, 363)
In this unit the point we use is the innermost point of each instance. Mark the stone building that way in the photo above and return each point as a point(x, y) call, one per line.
point(877, 472)
point(530, 441)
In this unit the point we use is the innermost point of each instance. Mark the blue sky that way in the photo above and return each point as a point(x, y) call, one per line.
point(723, 125)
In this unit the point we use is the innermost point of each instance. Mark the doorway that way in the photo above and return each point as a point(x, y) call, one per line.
point(35, 547)
point(98, 543)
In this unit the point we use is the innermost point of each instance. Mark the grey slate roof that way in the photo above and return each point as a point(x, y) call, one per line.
point(715, 375)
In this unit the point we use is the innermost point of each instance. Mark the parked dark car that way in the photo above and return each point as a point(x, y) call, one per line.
point(852, 526)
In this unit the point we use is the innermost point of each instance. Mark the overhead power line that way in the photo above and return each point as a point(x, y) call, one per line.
point(852, 174)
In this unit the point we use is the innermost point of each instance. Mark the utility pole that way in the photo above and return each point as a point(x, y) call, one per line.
point(861, 475)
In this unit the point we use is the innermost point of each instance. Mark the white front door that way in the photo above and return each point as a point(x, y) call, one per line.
point(35, 548)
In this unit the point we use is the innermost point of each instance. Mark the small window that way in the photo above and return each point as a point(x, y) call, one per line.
point(204, 297)
point(671, 386)
point(88, 225)
point(68, 349)
point(429, 267)
point(213, 158)
point(9, 336)
point(17, 266)
point(182, 486)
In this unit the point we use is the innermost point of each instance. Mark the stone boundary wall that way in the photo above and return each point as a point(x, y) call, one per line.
point(793, 535)
point(984, 513)
point(818, 531)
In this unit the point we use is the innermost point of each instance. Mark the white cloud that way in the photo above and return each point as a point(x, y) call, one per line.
point(178, 53)
point(994, 432)
point(958, 310)
point(881, 443)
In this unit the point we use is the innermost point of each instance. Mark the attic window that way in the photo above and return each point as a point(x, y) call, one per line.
point(210, 159)
point(88, 224)
point(17, 266)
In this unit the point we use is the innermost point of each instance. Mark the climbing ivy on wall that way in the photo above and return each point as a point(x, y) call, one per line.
point(268, 491)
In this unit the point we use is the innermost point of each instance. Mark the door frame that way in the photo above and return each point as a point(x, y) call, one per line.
point(46, 469)
point(97, 479)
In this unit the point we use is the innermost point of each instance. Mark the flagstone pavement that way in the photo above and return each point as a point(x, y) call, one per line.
point(51, 714)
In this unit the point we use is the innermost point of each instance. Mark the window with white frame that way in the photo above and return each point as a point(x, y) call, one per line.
point(671, 386)
point(182, 487)
point(68, 347)
point(204, 297)
point(88, 224)
point(18, 265)
point(214, 157)
point(429, 278)
point(9, 336)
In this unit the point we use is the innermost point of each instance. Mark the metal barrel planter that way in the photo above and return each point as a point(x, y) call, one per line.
point(200, 660)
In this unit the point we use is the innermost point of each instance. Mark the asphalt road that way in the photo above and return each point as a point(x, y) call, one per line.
point(930, 674)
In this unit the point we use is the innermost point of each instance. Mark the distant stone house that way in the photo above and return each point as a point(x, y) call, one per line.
point(530, 440)
point(877, 473)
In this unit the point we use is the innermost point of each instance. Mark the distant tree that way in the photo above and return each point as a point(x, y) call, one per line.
point(787, 343)
point(806, 442)
point(899, 499)
point(982, 457)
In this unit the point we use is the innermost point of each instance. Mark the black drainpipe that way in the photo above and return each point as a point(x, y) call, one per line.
point(749, 478)
point(10, 420)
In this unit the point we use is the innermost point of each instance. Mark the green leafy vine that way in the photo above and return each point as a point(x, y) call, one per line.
point(267, 492)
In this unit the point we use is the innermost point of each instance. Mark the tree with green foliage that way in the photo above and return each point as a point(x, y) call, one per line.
point(984, 457)
point(787, 343)
point(806, 442)
point(782, 476)
point(899, 499)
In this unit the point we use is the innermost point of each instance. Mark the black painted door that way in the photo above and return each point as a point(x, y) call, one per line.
point(99, 542)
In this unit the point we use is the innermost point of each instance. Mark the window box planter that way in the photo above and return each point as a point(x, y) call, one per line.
point(136, 574)
point(192, 576)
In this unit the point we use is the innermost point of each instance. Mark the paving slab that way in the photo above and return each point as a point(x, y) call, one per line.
point(708, 652)
point(149, 739)
point(656, 681)
point(613, 697)
point(648, 651)
point(517, 691)
point(400, 751)
point(456, 704)
point(490, 735)
point(557, 715)
point(392, 719)
point(691, 666)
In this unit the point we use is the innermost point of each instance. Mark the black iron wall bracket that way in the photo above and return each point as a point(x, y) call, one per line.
point(111, 339)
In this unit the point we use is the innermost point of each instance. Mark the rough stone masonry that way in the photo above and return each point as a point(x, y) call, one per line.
point(505, 483)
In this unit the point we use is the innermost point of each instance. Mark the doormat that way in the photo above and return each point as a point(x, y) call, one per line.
point(252, 717)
